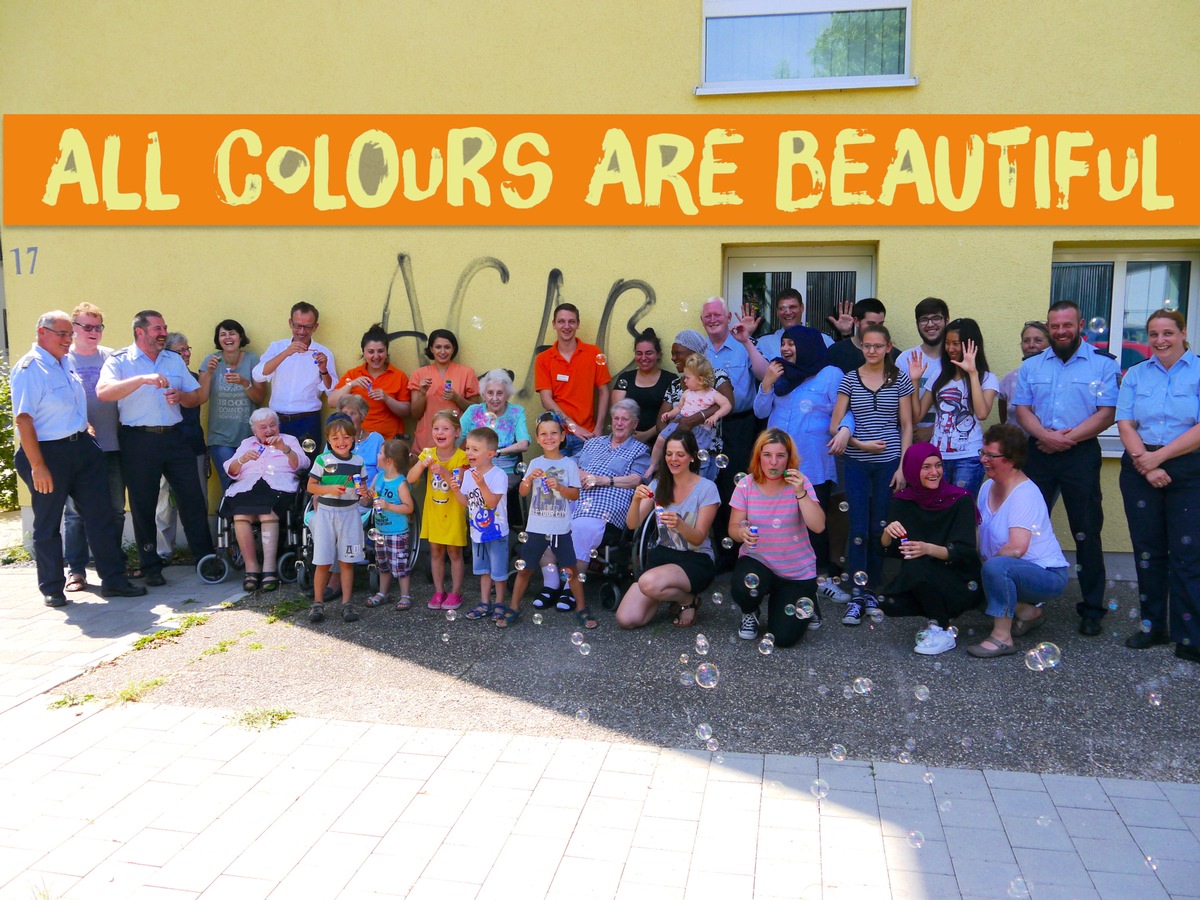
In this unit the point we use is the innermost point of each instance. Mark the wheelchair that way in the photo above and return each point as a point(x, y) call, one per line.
point(620, 560)
point(304, 565)
point(215, 567)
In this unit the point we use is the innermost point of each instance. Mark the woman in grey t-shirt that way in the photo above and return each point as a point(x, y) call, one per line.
point(233, 394)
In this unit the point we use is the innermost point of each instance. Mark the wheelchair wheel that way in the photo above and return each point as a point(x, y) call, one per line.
point(235, 557)
point(645, 539)
point(303, 574)
point(289, 567)
point(373, 577)
point(213, 569)
point(610, 595)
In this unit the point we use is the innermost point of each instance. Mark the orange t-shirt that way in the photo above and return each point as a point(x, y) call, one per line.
point(379, 418)
point(461, 378)
point(573, 382)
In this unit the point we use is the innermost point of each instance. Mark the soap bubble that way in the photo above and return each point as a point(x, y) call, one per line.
point(1151, 863)
point(972, 586)
point(765, 647)
point(837, 753)
point(372, 535)
point(585, 649)
point(711, 744)
point(751, 581)
point(702, 455)
point(928, 778)
point(521, 468)
point(582, 577)
point(1112, 605)
point(789, 610)
point(916, 839)
point(819, 788)
point(718, 598)
point(863, 685)
point(551, 568)
point(1155, 699)
point(952, 631)
point(722, 461)
point(683, 658)
point(944, 806)
point(1080, 536)
point(537, 618)
point(776, 523)
point(904, 757)
point(704, 731)
point(1018, 888)
point(844, 506)
point(1044, 656)
point(576, 638)
point(1097, 325)
point(702, 645)
point(445, 638)
point(520, 565)
point(967, 743)
point(476, 323)
point(601, 359)
point(523, 536)
point(921, 692)
point(847, 692)
point(910, 744)
point(805, 406)
point(858, 540)
point(805, 608)
point(727, 543)
point(822, 690)
point(707, 676)
point(860, 578)
point(1045, 821)
point(1170, 304)
point(737, 479)
point(686, 679)
point(583, 716)
point(451, 615)
point(1146, 626)
point(683, 307)
point(1096, 389)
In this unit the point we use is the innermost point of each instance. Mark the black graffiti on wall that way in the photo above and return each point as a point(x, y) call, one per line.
point(554, 296)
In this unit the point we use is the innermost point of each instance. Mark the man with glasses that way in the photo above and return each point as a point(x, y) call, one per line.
point(299, 370)
point(88, 357)
point(932, 315)
point(1066, 395)
point(789, 311)
point(58, 458)
point(149, 384)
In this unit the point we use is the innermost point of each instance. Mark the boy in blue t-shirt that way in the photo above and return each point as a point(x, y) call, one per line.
point(393, 505)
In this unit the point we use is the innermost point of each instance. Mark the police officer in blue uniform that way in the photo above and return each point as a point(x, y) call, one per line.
point(149, 384)
point(1065, 397)
point(59, 458)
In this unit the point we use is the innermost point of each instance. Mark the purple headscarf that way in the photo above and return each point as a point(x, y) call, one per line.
point(943, 496)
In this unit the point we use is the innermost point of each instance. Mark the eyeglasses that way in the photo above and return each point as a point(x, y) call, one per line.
point(874, 347)
point(296, 327)
point(93, 329)
point(56, 331)
point(930, 320)
point(986, 455)
point(1034, 324)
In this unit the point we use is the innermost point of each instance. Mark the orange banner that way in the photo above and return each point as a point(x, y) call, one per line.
point(600, 170)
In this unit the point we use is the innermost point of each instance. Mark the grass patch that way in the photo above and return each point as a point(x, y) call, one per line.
point(261, 719)
point(219, 647)
point(190, 600)
point(246, 633)
point(14, 554)
point(168, 635)
point(69, 700)
point(287, 608)
point(254, 645)
point(226, 604)
point(193, 619)
point(136, 690)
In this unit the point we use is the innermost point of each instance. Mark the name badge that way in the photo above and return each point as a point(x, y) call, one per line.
point(563, 378)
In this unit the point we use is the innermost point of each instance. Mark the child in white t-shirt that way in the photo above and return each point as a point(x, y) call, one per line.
point(483, 493)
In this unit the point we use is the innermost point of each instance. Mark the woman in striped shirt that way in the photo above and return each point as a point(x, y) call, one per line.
point(877, 393)
point(772, 511)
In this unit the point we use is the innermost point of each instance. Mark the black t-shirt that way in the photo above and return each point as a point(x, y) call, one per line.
point(648, 399)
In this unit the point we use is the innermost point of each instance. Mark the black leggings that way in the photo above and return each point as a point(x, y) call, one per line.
point(780, 592)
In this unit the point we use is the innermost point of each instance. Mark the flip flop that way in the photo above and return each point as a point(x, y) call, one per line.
point(1001, 649)
point(1022, 627)
point(75, 583)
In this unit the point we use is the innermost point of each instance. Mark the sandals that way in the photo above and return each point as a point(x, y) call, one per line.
point(545, 599)
point(999, 649)
point(75, 582)
point(503, 616)
point(270, 581)
point(405, 602)
point(251, 582)
point(1022, 627)
point(377, 599)
point(482, 611)
point(694, 606)
point(585, 618)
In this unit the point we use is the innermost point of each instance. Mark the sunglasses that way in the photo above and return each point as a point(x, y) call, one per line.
point(93, 329)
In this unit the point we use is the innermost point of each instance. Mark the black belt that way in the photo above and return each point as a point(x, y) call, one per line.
point(71, 437)
point(1154, 448)
point(153, 429)
point(292, 417)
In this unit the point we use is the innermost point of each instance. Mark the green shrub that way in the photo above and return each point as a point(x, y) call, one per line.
point(8, 445)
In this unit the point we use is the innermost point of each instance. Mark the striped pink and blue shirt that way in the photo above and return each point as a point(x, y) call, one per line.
point(782, 535)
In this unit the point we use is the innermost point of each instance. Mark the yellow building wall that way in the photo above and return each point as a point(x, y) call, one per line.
point(506, 57)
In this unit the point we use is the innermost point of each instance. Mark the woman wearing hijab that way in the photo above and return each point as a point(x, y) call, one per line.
point(797, 396)
point(931, 528)
point(686, 343)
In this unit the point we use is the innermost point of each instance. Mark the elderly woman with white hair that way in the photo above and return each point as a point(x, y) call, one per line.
point(504, 417)
point(263, 469)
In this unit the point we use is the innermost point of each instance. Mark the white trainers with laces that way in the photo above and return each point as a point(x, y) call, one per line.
point(829, 590)
point(934, 640)
point(749, 629)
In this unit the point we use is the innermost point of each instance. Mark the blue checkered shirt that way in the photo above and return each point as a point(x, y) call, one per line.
point(599, 457)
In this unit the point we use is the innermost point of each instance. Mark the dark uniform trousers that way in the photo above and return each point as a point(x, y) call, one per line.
point(1075, 474)
point(146, 457)
point(77, 468)
point(1164, 526)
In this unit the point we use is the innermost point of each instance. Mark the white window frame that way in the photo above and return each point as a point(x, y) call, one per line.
point(1110, 441)
point(719, 9)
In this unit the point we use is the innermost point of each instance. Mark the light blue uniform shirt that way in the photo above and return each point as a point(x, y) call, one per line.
point(1062, 395)
point(51, 393)
point(1162, 403)
point(733, 358)
point(805, 415)
point(768, 346)
point(148, 405)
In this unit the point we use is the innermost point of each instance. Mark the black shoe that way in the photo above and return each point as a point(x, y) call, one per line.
point(348, 614)
point(154, 579)
point(54, 600)
point(1089, 627)
point(123, 590)
point(1144, 640)
point(332, 593)
point(316, 615)
point(1191, 654)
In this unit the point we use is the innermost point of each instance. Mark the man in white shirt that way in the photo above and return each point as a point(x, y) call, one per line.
point(933, 315)
point(299, 371)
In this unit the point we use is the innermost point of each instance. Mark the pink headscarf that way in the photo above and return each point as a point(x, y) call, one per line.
point(943, 496)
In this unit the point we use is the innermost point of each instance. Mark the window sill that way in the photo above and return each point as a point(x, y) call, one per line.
point(780, 86)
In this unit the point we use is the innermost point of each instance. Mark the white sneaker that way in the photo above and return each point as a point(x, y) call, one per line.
point(934, 640)
point(829, 590)
point(749, 629)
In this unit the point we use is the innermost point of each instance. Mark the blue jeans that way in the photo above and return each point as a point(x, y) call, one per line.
point(1007, 580)
point(868, 491)
point(76, 552)
point(572, 445)
point(964, 473)
point(220, 456)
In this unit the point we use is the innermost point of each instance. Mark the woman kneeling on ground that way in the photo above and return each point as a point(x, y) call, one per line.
point(682, 564)
point(772, 511)
point(263, 469)
point(1023, 564)
point(931, 528)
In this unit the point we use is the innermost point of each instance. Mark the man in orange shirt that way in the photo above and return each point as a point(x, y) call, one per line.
point(572, 379)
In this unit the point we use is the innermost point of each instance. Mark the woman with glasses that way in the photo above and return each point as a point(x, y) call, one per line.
point(1023, 564)
point(877, 393)
point(1035, 337)
point(1158, 416)
point(646, 384)
point(233, 393)
point(961, 396)
point(931, 530)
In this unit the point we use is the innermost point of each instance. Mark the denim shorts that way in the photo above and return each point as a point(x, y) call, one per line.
point(490, 558)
